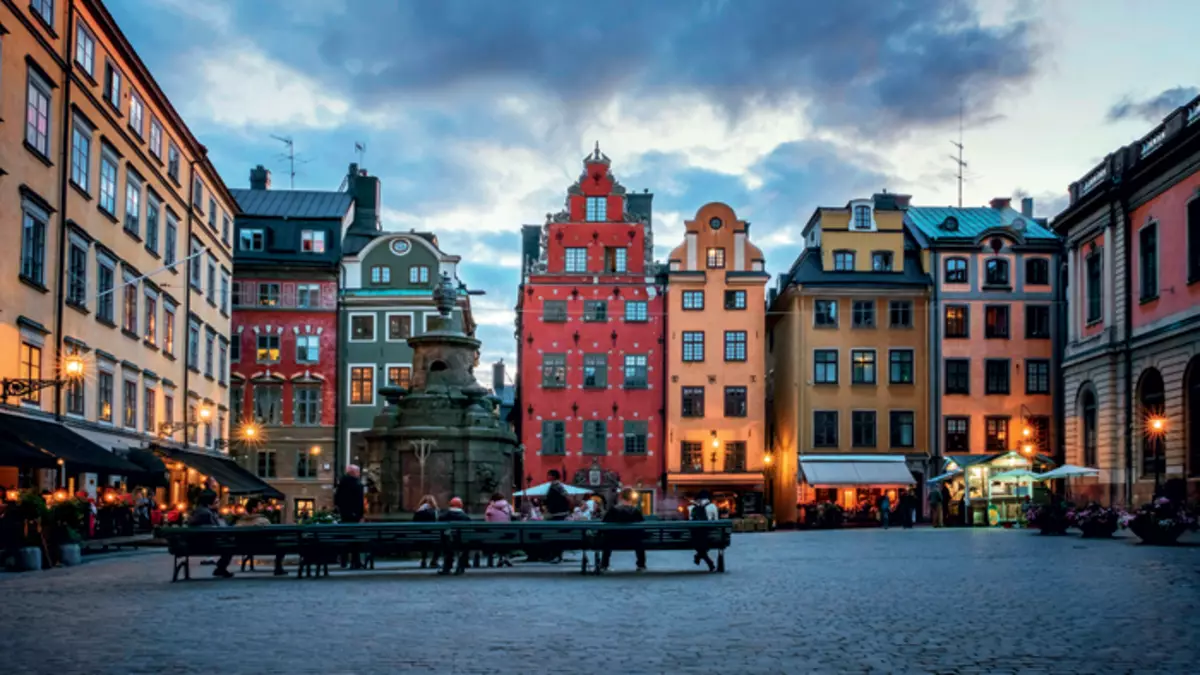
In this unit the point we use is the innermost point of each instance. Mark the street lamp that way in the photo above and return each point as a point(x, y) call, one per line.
point(204, 414)
point(21, 388)
point(1156, 429)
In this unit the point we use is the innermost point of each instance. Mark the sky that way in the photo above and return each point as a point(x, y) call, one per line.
point(476, 114)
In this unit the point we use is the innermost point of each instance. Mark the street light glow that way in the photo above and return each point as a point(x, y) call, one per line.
point(1158, 424)
point(73, 367)
point(205, 413)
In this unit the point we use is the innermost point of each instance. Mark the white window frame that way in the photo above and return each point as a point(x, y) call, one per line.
point(75, 241)
point(306, 337)
point(251, 232)
point(313, 292)
point(374, 326)
point(35, 82)
point(107, 157)
point(387, 368)
point(156, 137)
point(595, 209)
point(567, 266)
point(312, 241)
point(85, 47)
point(168, 338)
point(81, 171)
point(350, 384)
point(137, 114)
point(412, 324)
point(151, 295)
point(112, 76)
point(133, 202)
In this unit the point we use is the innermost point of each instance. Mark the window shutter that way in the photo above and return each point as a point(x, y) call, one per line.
point(328, 296)
point(247, 293)
point(287, 295)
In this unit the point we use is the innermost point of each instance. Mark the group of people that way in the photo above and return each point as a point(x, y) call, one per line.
point(905, 509)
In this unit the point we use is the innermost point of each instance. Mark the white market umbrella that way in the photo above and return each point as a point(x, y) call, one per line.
point(544, 489)
point(1069, 471)
point(1015, 475)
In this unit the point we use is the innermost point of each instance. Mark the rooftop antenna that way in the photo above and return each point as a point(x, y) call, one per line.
point(958, 161)
point(361, 149)
point(291, 157)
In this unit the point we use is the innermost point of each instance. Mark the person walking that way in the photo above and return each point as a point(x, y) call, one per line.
point(348, 500)
point(499, 511)
point(205, 515)
point(253, 518)
point(885, 510)
point(935, 507)
point(454, 514)
point(623, 513)
point(704, 509)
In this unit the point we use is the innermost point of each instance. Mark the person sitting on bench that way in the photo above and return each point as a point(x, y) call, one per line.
point(252, 518)
point(452, 514)
point(625, 512)
point(204, 515)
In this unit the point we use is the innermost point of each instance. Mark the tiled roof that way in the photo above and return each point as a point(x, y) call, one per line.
point(809, 272)
point(293, 203)
point(972, 222)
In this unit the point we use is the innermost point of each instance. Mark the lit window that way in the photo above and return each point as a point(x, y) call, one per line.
point(267, 349)
point(312, 241)
point(716, 258)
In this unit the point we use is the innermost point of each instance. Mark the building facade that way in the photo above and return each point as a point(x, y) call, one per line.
point(716, 362)
point(847, 342)
point(591, 343)
point(124, 231)
point(284, 343)
point(1132, 376)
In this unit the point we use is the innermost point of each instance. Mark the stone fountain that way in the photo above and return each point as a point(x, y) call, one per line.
point(443, 436)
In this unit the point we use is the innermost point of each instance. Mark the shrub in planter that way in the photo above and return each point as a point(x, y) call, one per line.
point(1095, 521)
point(1160, 522)
point(830, 515)
point(1049, 518)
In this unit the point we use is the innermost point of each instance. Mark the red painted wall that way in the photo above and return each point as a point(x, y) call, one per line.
point(1169, 210)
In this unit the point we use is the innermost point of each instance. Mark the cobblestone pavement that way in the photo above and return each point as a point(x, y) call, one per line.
point(961, 601)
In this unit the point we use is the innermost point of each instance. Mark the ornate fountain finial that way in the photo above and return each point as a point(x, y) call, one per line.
point(597, 156)
point(445, 296)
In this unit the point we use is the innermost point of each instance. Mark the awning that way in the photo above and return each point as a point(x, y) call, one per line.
point(14, 452)
point(48, 437)
point(837, 471)
point(698, 479)
point(945, 476)
point(151, 470)
point(154, 471)
point(226, 472)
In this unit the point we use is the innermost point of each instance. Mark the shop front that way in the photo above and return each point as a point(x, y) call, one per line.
point(854, 484)
point(982, 490)
point(735, 494)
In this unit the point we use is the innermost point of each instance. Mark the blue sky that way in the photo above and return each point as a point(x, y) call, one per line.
point(476, 114)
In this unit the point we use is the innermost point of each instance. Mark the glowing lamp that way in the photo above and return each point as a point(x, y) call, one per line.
point(61, 495)
point(315, 450)
point(1028, 449)
point(767, 459)
point(716, 443)
point(250, 431)
point(12, 495)
point(180, 506)
point(1157, 424)
point(109, 497)
point(60, 461)
point(1027, 432)
point(73, 367)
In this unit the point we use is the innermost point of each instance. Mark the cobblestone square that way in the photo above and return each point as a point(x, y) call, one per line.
point(946, 601)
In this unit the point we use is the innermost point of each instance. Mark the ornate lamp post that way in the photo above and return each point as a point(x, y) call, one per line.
point(20, 388)
point(1156, 429)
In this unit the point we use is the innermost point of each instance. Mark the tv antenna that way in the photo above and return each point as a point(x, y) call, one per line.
point(291, 158)
point(360, 148)
point(959, 164)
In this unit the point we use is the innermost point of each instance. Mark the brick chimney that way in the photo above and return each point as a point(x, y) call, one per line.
point(498, 377)
point(1001, 202)
point(260, 178)
point(1027, 207)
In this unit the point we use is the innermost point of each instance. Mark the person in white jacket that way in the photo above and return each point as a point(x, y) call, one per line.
point(704, 509)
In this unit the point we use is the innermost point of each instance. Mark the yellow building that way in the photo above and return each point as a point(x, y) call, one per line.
point(716, 387)
point(125, 234)
point(848, 336)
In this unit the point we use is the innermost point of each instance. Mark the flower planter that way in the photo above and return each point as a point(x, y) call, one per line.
point(70, 554)
point(29, 559)
point(1098, 530)
point(1155, 535)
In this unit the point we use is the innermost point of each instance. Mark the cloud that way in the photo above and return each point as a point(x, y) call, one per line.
point(1154, 108)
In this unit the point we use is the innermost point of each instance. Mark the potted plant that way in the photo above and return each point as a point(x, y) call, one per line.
point(33, 512)
point(68, 518)
point(1047, 518)
point(1095, 521)
point(1161, 522)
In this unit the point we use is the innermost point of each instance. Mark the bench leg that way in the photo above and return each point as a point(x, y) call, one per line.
point(721, 561)
point(476, 565)
point(583, 566)
point(181, 563)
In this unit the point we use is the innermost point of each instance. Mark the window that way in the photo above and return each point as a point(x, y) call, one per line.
point(1094, 287)
point(30, 368)
point(37, 114)
point(995, 322)
point(735, 401)
point(266, 463)
point(168, 345)
point(900, 366)
point(595, 437)
point(957, 321)
point(137, 115)
point(1037, 322)
point(212, 280)
point(716, 258)
point(251, 240)
point(825, 428)
point(1089, 427)
point(900, 313)
point(77, 274)
point(152, 210)
point(692, 402)
point(554, 438)
point(595, 371)
point(195, 266)
point(995, 376)
point(399, 326)
point(362, 327)
point(104, 291)
point(597, 208)
point(133, 204)
point(636, 311)
point(735, 345)
point(693, 300)
point(129, 291)
point(956, 271)
point(198, 193)
point(693, 346)
point(635, 437)
point(901, 426)
point(191, 430)
point(554, 371)
point(1148, 261)
point(735, 299)
point(843, 261)
point(150, 316)
point(33, 247)
point(104, 397)
point(306, 465)
point(635, 371)
point(615, 259)
point(223, 297)
point(171, 240)
point(958, 376)
point(862, 363)
point(735, 456)
point(212, 213)
point(156, 137)
point(381, 274)
point(400, 376)
point(235, 348)
point(862, 428)
point(362, 385)
point(169, 409)
point(266, 348)
point(309, 296)
point(129, 393)
point(75, 394)
point(996, 434)
point(108, 183)
point(81, 156)
point(825, 315)
point(1037, 376)
point(268, 295)
point(862, 217)
point(173, 162)
point(210, 340)
point(958, 436)
point(307, 405)
point(881, 261)
point(312, 241)
point(85, 48)
point(595, 311)
point(576, 260)
point(112, 85)
point(825, 366)
point(418, 274)
point(226, 227)
point(691, 457)
point(995, 272)
point(1193, 242)
point(308, 348)
point(554, 311)
point(222, 359)
point(1037, 272)
point(193, 346)
point(863, 314)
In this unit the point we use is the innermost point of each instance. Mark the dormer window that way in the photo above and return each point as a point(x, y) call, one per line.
point(862, 217)
point(597, 209)
point(843, 261)
point(996, 272)
point(950, 224)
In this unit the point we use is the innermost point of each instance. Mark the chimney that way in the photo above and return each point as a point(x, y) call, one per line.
point(1001, 203)
point(1027, 207)
point(260, 178)
point(902, 201)
point(498, 376)
point(365, 190)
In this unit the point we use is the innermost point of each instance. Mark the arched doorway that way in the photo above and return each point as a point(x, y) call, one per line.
point(1191, 415)
point(1151, 396)
point(1087, 426)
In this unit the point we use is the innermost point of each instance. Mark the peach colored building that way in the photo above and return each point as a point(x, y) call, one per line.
point(716, 391)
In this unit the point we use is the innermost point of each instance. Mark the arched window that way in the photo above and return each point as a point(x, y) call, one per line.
point(956, 271)
point(1191, 419)
point(996, 272)
point(1088, 406)
point(1151, 399)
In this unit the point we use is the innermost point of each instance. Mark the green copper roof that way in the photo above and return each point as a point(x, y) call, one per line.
point(970, 222)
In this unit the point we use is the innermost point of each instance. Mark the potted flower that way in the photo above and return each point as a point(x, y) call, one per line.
point(33, 511)
point(1047, 518)
point(1095, 521)
point(68, 519)
point(1161, 522)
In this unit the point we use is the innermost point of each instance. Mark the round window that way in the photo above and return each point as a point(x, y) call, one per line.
point(400, 246)
point(715, 223)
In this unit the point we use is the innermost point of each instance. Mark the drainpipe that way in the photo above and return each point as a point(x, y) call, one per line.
point(63, 174)
point(935, 370)
point(1122, 201)
point(187, 309)
point(339, 347)
point(1057, 347)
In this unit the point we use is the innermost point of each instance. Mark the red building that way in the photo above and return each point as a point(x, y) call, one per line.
point(590, 325)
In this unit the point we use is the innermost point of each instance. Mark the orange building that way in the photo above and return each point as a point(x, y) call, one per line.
point(716, 417)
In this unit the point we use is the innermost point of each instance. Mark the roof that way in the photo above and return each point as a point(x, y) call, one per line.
point(972, 222)
point(809, 272)
point(293, 203)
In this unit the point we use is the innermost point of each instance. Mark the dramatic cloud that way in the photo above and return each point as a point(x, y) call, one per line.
point(1152, 109)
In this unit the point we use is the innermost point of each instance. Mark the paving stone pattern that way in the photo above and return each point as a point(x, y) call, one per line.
point(944, 601)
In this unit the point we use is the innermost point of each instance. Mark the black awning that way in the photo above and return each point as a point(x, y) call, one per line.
point(15, 452)
point(78, 453)
point(226, 472)
point(154, 471)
